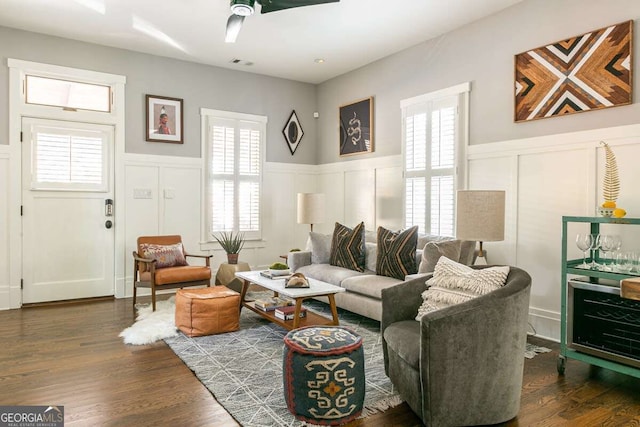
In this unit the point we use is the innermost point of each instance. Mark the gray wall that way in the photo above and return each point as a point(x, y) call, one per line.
point(199, 86)
point(481, 53)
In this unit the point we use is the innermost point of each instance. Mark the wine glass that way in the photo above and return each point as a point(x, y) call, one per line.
point(606, 244)
point(584, 243)
point(624, 261)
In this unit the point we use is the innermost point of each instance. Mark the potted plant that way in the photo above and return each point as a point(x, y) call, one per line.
point(232, 244)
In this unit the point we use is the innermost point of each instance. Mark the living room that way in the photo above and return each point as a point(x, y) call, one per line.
point(548, 168)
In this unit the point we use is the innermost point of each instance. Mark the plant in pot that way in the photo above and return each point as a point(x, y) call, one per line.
point(232, 244)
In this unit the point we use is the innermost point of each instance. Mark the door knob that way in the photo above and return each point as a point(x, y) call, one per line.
point(108, 223)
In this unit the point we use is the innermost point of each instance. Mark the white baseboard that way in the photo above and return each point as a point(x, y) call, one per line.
point(545, 323)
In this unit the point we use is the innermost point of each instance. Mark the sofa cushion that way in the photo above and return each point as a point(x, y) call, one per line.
point(369, 285)
point(347, 247)
point(467, 252)
point(165, 255)
point(328, 273)
point(454, 283)
point(320, 247)
point(397, 252)
point(434, 250)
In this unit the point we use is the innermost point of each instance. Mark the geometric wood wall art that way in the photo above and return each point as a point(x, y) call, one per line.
point(587, 72)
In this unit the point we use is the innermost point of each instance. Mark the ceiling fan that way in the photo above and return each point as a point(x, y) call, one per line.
point(242, 8)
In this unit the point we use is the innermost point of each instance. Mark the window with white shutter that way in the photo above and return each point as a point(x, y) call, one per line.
point(67, 158)
point(234, 144)
point(433, 134)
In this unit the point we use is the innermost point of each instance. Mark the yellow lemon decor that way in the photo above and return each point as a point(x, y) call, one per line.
point(619, 213)
point(609, 204)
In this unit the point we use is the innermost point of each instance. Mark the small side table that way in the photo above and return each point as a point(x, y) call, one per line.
point(227, 275)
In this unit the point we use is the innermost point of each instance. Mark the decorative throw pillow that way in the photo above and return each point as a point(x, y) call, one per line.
point(320, 248)
point(371, 255)
point(434, 250)
point(453, 283)
point(347, 247)
point(397, 252)
point(165, 255)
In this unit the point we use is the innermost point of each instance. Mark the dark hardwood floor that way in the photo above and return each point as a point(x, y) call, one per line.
point(71, 355)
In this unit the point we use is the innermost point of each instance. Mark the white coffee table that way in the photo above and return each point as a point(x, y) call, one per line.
point(316, 288)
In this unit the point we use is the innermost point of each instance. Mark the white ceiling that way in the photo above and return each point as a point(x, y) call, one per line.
point(347, 35)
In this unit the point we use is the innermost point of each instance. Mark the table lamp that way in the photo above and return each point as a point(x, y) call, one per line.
point(480, 217)
point(310, 208)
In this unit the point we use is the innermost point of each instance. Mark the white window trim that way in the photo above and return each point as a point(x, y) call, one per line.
point(460, 175)
point(208, 242)
point(18, 108)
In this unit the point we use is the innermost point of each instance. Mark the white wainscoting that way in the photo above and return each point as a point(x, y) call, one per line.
point(546, 178)
point(5, 288)
point(367, 190)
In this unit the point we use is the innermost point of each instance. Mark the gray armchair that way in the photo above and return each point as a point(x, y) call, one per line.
point(461, 365)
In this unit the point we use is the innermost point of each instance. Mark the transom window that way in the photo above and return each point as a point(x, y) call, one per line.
point(67, 94)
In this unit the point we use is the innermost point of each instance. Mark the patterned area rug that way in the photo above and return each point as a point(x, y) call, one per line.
point(243, 369)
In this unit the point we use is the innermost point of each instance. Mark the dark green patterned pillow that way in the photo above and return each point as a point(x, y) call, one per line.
point(347, 247)
point(397, 252)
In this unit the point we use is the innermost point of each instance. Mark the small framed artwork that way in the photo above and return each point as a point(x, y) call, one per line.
point(164, 119)
point(293, 132)
point(356, 127)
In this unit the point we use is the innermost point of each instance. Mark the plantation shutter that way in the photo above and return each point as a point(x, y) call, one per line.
point(430, 139)
point(235, 175)
point(68, 159)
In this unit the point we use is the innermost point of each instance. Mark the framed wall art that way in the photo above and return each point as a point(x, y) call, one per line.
point(164, 119)
point(293, 132)
point(583, 73)
point(356, 127)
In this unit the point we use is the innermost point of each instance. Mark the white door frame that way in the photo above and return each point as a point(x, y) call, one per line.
point(19, 109)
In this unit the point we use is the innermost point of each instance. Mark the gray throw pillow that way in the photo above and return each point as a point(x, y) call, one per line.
point(434, 250)
point(320, 247)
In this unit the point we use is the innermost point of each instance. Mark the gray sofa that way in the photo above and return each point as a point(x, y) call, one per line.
point(364, 289)
point(460, 365)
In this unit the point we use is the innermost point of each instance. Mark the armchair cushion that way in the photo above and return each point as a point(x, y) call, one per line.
point(347, 247)
point(165, 255)
point(178, 274)
point(453, 283)
point(404, 338)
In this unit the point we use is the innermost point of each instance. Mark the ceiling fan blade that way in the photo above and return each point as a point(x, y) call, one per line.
point(275, 5)
point(233, 28)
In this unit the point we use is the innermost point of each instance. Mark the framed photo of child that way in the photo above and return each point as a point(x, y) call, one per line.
point(164, 119)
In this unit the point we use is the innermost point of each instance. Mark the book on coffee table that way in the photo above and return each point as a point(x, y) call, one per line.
point(273, 303)
point(274, 274)
point(288, 313)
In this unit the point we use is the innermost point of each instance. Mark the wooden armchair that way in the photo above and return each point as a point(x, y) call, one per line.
point(160, 263)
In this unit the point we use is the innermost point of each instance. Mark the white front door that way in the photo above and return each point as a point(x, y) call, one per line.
point(67, 181)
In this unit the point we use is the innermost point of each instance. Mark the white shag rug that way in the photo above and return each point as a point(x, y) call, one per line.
point(152, 326)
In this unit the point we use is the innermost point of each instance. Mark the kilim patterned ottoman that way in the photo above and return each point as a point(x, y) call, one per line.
point(324, 374)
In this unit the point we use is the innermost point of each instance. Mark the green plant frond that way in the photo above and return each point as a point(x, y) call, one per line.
point(230, 242)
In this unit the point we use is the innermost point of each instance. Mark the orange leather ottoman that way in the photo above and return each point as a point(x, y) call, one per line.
point(207, 311)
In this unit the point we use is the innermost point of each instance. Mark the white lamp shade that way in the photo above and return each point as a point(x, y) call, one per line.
point(310, 208)
point(480, 215)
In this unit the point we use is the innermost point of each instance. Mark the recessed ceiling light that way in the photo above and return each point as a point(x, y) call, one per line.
point(318, 60)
